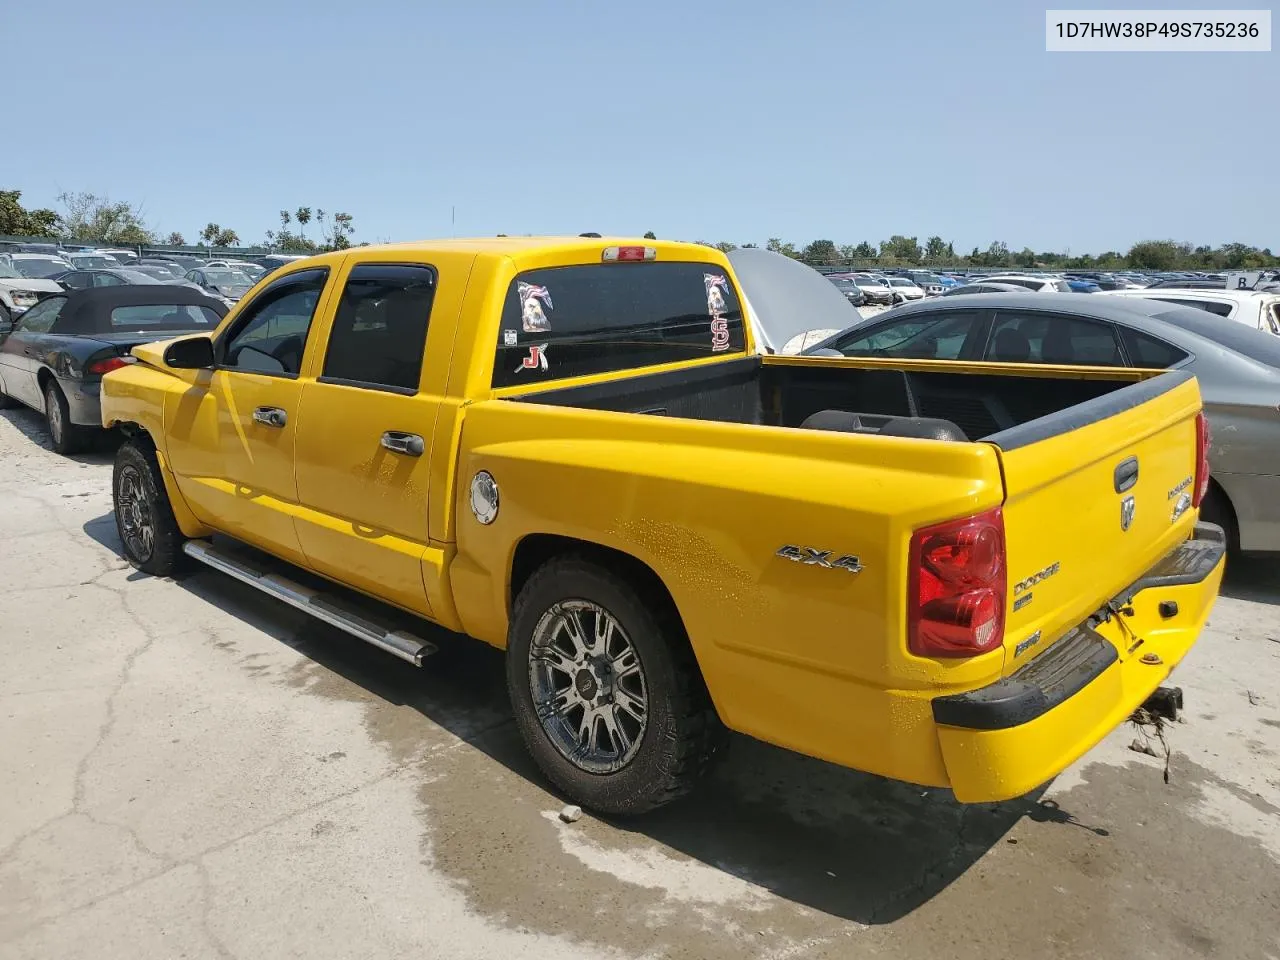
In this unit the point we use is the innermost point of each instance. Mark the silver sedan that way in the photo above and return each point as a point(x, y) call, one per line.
point(1238, 369)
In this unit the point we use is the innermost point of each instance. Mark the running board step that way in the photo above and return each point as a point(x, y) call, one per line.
point(322, 606)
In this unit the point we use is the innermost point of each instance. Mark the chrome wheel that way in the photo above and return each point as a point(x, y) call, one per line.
point(53, 413)
point(588, 686)
point(136, 526)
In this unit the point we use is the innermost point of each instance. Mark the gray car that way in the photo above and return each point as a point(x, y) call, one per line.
point(1238, 369)
point(53, 357)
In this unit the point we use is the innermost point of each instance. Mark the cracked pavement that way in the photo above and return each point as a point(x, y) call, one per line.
point(191, 770)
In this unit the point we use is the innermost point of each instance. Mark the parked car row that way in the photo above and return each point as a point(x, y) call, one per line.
point(31, 271)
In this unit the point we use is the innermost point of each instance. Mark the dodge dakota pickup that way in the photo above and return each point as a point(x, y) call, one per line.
point(960, 575)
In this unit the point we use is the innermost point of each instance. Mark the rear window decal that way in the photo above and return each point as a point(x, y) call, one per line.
point(532, 299)
point(536, 360)
point(509, 338)
point(717, 285)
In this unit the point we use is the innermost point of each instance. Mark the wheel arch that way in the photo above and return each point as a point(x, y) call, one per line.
point(535, 550)
point(1217, 497)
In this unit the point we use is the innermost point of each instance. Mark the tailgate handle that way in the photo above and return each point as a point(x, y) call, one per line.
point(1126, 474)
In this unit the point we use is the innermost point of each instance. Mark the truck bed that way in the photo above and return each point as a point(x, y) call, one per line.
point(785, 392)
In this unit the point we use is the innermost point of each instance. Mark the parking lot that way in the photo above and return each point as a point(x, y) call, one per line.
point(193, 770)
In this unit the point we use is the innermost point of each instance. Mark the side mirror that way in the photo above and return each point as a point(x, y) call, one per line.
point(193, 353)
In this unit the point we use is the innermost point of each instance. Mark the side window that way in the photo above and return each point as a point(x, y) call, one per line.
point(596, 318)
point(1053, 338)
point(107, 280)
point(1273, 319)
point(928, 337)
point(1145, 351)
point(271, 333)
point(380, 329)
point(42, 316)
point(76, 281)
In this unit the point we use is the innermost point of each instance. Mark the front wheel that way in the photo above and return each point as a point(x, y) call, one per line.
point(606, 691)
point(144, 519)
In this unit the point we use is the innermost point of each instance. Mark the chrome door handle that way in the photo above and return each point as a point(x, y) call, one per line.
point(410, 444)
point(270, 416)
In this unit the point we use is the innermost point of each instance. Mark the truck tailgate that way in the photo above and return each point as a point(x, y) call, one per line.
point(1094, 497)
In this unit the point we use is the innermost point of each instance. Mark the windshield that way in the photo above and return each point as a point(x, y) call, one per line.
point(40, 269)
point(870, 281)
point(86, 261)
point(8, 273)
point(151, 270)
point(899, 282)
point(844, 283)
point(228, 278)
point(135, 276)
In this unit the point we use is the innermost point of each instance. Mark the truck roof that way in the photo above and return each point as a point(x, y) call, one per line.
point(515, 247)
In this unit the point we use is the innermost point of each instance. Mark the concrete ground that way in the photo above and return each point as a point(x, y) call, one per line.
point(189, 770)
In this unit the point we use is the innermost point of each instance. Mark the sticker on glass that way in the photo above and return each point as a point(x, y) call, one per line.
point(509, 338)
point(717, 285)
point(533, 300)
point(536, 360)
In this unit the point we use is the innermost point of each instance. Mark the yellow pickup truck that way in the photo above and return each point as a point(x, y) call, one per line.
point(958, 575)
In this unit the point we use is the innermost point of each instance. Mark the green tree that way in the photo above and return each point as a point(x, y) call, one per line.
point(724, 246)
point(96, 219)
point(1154, 255)
point(17, 221)
point(227, 238)
point(303, 216)
point(821, 251)
point(935, 250)
point(864, 251)
point(777, 246)
point(650, 235)
point(209, 235)
point(1026, 257)
point(899, 247)
point(175, 239)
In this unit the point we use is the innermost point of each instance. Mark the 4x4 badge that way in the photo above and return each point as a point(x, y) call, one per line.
point(813, 557)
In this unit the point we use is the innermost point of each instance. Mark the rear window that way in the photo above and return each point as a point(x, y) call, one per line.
point(598, 318)
point(1254, 344)
point(163, 316)
point(1213, 306)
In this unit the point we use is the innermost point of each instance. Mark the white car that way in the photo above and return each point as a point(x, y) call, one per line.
point(1256, 309)
point(903, 289)
point(1034, 283)
point(18, 292)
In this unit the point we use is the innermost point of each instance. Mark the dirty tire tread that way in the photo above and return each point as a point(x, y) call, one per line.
point(695, 738)
point(73, 437)
point(166, 556)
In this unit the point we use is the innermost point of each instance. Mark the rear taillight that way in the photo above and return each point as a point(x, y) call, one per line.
point(107, 364)
point(1202, 460)
point(957, 587)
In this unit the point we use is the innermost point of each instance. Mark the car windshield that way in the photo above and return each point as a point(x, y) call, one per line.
point(927, 278)
point(151, 270)
point(87, 261)
point(870, 281)
point(135, 276)
point(222, 277)
point(900, 282)
point(40, 268)
point(8, 273)
point(841, 282)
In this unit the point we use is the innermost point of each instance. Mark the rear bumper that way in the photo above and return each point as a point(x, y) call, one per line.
point(84, 401)
point(1002, 740)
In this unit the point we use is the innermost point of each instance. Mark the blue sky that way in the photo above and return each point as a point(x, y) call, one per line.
point(698, 120)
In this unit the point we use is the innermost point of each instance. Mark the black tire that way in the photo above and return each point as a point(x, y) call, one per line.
point(136, 485)
point(64, 436)
point(1216, 508)
point(682, 736)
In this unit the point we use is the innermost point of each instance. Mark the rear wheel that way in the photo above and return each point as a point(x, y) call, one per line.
point(65, 437)
point(605, 690)
point(144, 519)
point(1216, 508)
